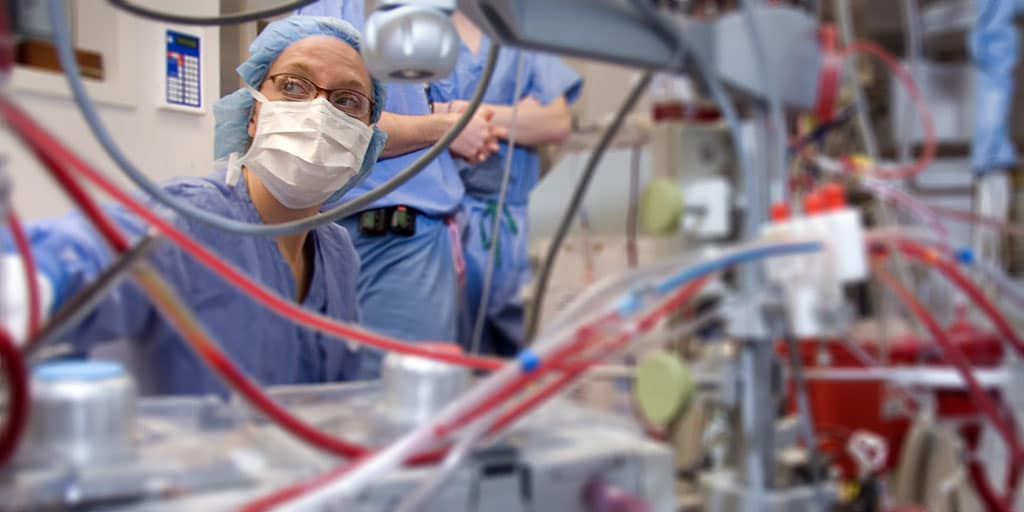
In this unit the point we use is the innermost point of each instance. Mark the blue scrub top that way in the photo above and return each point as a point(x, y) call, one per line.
point(437, 189)
point(545, 78)
point(268, 348)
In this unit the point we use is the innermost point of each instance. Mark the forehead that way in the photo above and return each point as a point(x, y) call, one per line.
point(328, 61)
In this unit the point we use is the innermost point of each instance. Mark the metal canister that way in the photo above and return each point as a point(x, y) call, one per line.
point(415, 388)
point(82, 413)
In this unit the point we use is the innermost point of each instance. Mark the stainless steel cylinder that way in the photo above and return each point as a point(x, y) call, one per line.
point(82, 413)
point(416, 388)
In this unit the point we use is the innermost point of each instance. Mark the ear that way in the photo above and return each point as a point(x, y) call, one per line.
point(253, 118)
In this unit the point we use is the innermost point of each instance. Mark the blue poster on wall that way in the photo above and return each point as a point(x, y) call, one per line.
point(183, 80)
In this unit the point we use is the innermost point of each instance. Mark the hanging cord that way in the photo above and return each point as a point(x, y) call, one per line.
point(492, 251)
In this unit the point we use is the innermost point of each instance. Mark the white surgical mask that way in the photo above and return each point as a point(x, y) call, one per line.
point(303, 151)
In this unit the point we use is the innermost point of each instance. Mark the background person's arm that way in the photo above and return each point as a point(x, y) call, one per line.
point(408, 133)
point(536, 124)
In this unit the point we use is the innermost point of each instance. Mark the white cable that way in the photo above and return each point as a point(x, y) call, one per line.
point(492, 251)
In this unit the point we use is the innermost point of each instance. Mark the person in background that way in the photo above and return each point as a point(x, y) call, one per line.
point(408, 241)
point(547, 87)
point(303, 71)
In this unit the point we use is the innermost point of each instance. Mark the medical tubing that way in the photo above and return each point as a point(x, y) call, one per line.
point(979, 479)
point(581, 336)
point(54, 155)
point(12, 364)
point(75, 309)
point(184, 321)
point(492, 251)
point(912, 42)
point(900, 198)
point(566, 378)
point(468, 406)
point(974, 218)
point(6, 43)
point(418, 498)
point(541, 285)
point(912, 243)
point(805, 418)
point(864, 125)
point(29, 263)
point(1007, 286)
point(927, 122)
point(221, 19)
point(950, 270)
point(182, 207)
point(956, 357)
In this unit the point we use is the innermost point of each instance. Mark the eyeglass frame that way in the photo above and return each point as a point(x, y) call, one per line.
point(369, 114)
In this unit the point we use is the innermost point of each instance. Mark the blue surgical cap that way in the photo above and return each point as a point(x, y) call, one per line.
point(232, 111)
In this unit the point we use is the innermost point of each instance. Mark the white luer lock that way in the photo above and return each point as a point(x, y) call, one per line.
point(303, 151)
point(813, 281)
point(15, 306)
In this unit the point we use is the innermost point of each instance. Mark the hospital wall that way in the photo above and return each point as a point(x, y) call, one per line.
point(163, 140)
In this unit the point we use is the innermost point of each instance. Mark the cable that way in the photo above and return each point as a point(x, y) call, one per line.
point(55, 156)
point(222, 19)
point(81, 304)
point(867, 134)
point(35, 306)
point(541, 286)
point(357, 204)
point(632, 212)
point(806, 419)
point(912, 40)
point(12, 364)
point(492, 251)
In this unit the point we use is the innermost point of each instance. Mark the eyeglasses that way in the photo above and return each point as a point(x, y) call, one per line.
point(298, 88)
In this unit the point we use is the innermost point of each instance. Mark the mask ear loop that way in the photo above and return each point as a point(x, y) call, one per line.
point(234, 167)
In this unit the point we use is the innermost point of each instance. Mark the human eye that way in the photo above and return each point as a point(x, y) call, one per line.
point(295, 87)
point(349, 102)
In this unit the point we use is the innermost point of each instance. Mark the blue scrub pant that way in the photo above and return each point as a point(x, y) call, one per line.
point(408, 285)
point(503, 325)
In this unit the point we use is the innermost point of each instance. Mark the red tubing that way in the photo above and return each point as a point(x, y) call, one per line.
point(51, 152)
point(953, 273)
point(683, 296)
point(31, 283)
point(952, 353)
point(584, 335)
point(928, 124)
point(13, 366)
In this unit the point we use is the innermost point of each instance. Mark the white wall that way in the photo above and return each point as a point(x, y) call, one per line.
point(162, 142)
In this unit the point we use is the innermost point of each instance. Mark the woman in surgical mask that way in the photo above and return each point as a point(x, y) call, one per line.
point(309, 134)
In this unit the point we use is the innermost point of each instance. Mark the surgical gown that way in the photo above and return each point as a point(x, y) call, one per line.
point(545, 78)
point(267, 347)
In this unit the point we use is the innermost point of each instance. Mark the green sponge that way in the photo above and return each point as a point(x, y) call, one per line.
point(661, 206)
point(663, 387)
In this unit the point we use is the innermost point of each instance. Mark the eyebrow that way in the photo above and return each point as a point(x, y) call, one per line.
point(307, 71)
